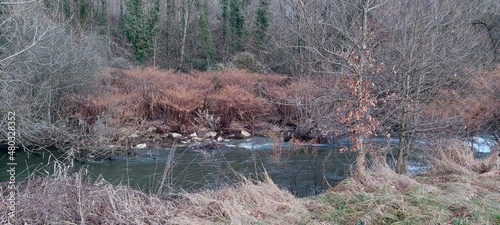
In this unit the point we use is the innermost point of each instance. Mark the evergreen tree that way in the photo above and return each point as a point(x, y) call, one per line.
point(48, 4)
point(233, 22)
point(140, 27)
point(224, 19)
point(84, 12)
point(237, 24)
point(262, 23)
point(205, 28)
point(66, 9)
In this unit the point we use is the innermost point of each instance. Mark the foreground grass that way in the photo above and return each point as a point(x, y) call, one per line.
point(70, 200)
point(447, 199)
point(451, 193)
point(458, 189)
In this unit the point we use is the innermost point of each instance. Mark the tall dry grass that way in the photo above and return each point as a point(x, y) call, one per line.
point(458, 189)
point(454, 157)
point(72, 199)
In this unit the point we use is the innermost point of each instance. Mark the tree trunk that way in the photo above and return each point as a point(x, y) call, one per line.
point(404, 144)
point(361, 158)
point(184, 33)
point(406, 129)
point(360, 165)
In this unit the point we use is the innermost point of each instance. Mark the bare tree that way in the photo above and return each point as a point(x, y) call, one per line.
point(186, 12)
point(407, 49)
point(335, 38)
point(41, 63)
point(430, 45)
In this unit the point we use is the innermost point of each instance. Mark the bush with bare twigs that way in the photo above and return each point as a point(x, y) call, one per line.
point(41, 63)
point(471, 107)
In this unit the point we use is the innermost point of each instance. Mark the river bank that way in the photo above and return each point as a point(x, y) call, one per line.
point(126, 110)
point(129, 113)
point(148, 108)
point(456, 190)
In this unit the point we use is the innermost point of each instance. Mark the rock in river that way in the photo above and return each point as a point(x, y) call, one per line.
point(176, 135)
point(245, 134)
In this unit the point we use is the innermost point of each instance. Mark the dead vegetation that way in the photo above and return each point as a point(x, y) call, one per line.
point(457, 190)
point(231, 100)
point(453, 156)
point(121, 102)
point(473, 106)
point(71, 199)
point(176, 98)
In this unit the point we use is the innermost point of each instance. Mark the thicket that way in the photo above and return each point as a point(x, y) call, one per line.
point(42, 63)
point(234, 99)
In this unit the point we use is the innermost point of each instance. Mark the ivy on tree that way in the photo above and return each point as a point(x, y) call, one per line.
point(262, 23)
point(237, 23)
point(140, 27)
point(233, 23)
point(205, 27)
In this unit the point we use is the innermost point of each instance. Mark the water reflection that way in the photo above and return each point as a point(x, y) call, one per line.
point(196, 169)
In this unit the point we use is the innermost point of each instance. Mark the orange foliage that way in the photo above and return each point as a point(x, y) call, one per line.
point(136, 95)
point(230, 98)
point(473, 108)
point(233, 103)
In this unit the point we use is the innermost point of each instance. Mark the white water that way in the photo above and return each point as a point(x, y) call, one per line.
point(481, 144)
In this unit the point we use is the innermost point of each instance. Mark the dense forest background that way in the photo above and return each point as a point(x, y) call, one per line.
point(367, 67)
point(285, 37)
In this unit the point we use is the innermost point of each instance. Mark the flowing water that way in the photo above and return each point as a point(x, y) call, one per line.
point(203, 168)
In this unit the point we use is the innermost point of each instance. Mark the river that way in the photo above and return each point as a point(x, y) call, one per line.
point(197, 169)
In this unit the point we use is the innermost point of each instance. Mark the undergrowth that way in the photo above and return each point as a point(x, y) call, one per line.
point(233, 99)
point(129, 97)
point(458, 189)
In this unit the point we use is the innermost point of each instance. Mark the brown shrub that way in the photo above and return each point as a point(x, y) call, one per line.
point(132, 96)
point(235, 103)
point(309, 104)
point(86, 112)
point(472, 106)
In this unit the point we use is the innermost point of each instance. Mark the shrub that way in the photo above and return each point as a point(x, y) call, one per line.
point(247, 61)
point(42, 64)
point(470, 107)
point(235, 103)
point(176, 98)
